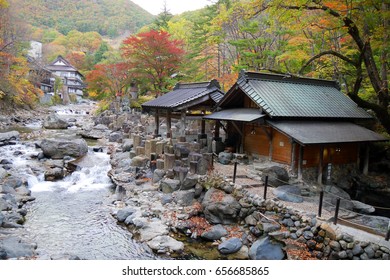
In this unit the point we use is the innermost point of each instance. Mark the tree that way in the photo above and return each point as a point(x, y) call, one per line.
point(154, 56)
point(15, 86)
point(355, 36)
point(110, 80)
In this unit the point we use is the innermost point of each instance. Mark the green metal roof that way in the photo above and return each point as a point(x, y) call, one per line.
point(320, 132)
point(236, 114)
point(284, 96)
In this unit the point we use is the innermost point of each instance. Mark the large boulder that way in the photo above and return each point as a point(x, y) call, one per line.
point(53, 121)
point(288, 193)
point(277, 176)
point(59, 148)
point(14, 247)
point(265, 249)
point(220, 207)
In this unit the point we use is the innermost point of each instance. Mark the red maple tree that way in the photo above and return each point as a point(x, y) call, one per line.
point(154, 56)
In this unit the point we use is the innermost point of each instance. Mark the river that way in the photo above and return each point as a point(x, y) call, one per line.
point(73, 216)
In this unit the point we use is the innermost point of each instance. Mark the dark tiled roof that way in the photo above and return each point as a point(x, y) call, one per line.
point(292, 97)
point(317, 132)
point(185, 95)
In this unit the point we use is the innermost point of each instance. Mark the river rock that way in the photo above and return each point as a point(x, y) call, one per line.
point(220, 208)
point(164, 244)
point(64, 257)
point(184, 198)
point(362, 207)
point(225, 158)
point(277, 176)
point(158, 174)
point(115, 137)
point(169, 185)
point(189, 182)
point(54, 174)
point(139, 161)
point(122, 214)
point(265, 249)
point(289, 193)
point(53, 121)
point(230, 246)
point(16, 247)
point(127, 145)
point(214, 233)
point(4, 205)
point(59, 148)
point(3, 173)
point(7, 137)
point(23, 191)
point(152, 230)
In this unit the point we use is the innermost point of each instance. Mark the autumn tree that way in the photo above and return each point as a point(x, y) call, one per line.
point(353, 43)
point(155, 57)
point(15, 86)
point(107, 81)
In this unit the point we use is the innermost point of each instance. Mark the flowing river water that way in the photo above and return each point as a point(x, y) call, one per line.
point(73, 216)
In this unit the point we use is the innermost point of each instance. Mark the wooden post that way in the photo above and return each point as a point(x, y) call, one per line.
point(320, 206)
point(388, 233)
point(203, 127)
point(183, 123)
point(157, 122)
point(300, 162)
point(235, 171)
point(169, 124)
point(366, 160)
point(320, 165)
point(336, 213)
point(293, 156)
point(265, 187)
point(216, 133)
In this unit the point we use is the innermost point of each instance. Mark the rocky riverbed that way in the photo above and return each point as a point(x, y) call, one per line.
point(166, 194)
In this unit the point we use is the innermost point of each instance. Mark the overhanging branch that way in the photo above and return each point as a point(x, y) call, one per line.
point(333, 53)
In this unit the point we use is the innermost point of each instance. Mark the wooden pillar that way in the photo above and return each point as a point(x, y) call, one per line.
point(217, 126)
point(300, 162)
point(203, 127)
point(169, 124)
point(271, 148)
point(320, 165)
point(183, 123)
point(293, 155)
point(157, 122)
point(366, 160)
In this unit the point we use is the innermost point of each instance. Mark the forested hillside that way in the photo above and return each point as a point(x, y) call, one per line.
point(107, 17)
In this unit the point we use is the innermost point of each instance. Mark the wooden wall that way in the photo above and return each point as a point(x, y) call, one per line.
point(257, 143)
point(281, 148)
point(343, 153)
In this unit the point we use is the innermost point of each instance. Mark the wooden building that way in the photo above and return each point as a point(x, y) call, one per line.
point(186, 99)
point(72, 79)
point(301, 122)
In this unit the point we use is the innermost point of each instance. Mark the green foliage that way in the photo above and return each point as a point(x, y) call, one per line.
point(212, 180)
point(108, 18)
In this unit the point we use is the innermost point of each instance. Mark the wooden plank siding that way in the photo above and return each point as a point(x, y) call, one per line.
point(282, 146)
point(343, 153)
point(257, 143)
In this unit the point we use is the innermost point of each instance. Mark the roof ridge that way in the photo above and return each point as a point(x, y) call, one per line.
point(288, 78)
